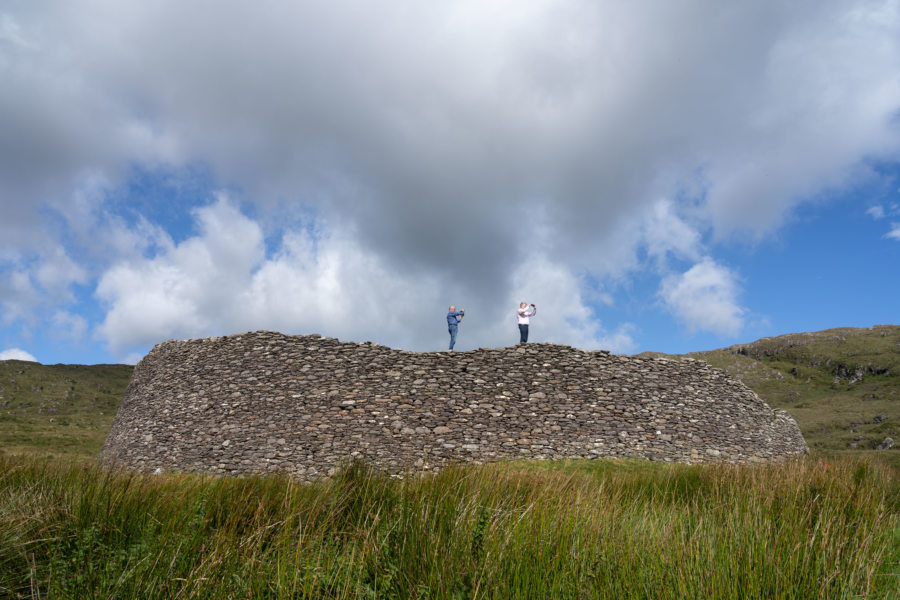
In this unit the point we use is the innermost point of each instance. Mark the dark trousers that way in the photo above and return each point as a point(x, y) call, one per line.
point(523, 334)
point(452, 329)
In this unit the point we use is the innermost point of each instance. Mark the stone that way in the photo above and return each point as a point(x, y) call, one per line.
point(263, 401)
point(886, 444)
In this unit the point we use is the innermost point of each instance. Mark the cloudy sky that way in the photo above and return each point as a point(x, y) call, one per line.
point(661, 175)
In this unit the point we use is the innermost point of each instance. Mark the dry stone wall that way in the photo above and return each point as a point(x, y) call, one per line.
point(264, 402)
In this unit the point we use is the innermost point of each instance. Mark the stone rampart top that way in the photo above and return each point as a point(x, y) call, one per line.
point(264, 401)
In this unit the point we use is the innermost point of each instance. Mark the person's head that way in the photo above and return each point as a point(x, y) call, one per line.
point(452, 308)
point(523, 304)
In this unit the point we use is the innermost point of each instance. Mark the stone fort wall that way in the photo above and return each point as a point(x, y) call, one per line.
point(264, 402)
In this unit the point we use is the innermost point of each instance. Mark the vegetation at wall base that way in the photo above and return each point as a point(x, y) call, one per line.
point(580, 529)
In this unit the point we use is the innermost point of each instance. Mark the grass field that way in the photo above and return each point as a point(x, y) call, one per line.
point(589, 529)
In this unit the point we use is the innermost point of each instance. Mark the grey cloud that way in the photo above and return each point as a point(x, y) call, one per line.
point(439, 134)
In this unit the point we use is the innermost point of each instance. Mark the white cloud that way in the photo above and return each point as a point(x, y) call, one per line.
point(68, 326)
point(31, 286)
point(705, 298)
point(17, 354)
point(330, 285)
point(818, 102)
point(220, 281)
point(666, 233)
point(57, 272)
point(184, 290)
point(563, 313)
point(876, 212)
point(620, 341)
point(18, 296)
point(880, 212)
point(132, 358)
point(10, 31)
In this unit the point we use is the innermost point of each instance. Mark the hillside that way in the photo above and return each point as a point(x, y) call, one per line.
point(842, 385)
point(58, 410)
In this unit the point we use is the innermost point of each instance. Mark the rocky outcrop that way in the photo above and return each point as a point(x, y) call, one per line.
point(264, 402)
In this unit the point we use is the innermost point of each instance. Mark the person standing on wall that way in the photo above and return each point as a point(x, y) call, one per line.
point(453, 319)
point(523, 317)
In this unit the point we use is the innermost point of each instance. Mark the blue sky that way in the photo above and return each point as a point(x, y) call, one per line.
point(666, 176)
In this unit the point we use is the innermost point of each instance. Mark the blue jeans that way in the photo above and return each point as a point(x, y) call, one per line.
point(523, 334)
point(452, 329)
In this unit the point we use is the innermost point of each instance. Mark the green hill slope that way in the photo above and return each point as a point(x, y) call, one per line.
point(842, 385)
point(58, 410)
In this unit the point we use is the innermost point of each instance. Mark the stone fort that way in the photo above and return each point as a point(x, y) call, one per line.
point(266, 402)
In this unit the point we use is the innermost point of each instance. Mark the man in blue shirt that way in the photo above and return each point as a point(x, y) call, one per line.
point(453, 319)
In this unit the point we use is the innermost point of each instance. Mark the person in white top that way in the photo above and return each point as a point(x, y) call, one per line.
point(522, 316)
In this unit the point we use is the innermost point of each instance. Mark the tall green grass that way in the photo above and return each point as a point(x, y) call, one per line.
point(601, 529)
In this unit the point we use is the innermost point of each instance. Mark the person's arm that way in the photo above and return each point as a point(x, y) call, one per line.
point(533, 310)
